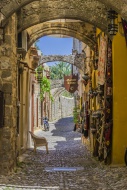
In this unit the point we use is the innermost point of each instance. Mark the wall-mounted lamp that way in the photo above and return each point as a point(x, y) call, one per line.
point(21, 54)
point(112, 26)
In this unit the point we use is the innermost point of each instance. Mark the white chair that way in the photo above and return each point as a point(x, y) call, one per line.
point(39, 141)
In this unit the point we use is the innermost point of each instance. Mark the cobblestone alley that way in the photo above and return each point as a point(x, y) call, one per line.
point(65, 150)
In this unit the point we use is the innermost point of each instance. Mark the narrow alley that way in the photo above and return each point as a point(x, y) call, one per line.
point(66, 152)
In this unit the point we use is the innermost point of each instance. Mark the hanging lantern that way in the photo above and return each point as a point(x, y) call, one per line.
point(112, 26)
point(86, 78)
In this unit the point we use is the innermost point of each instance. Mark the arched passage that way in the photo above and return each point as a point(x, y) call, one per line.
point(51, 58)
point(9, 7)
point(39, 12)
point(85, 32)
point(77, 60)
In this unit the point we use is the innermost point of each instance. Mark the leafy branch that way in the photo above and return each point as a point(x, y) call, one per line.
point(45, 86)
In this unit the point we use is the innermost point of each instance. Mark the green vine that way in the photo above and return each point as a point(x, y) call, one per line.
point(76, 115)
point(45, 86)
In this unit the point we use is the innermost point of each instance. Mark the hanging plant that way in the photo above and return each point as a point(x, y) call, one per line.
point(39, 73)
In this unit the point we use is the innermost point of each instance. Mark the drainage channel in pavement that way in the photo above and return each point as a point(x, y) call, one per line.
point(16, 187)
point(64, 169)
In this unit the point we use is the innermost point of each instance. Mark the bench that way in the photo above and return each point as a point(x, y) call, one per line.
point(39, 141)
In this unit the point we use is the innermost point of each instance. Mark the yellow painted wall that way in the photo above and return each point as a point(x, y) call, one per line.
point(119, 99)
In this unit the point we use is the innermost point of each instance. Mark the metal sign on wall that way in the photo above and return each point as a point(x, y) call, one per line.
point(71, 83)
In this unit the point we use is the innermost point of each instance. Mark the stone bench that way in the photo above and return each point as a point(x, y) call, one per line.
point(39, 141)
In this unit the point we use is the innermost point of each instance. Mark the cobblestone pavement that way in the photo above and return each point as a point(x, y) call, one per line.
point(65, 150)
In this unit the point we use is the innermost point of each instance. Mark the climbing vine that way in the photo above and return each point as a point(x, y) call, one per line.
point(45, 86)
point(76, 115)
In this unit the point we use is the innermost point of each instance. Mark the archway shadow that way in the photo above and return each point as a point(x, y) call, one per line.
point(61, 135)
point(65, 137)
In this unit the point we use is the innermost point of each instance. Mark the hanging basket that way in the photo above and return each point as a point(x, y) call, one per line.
point(39, 76)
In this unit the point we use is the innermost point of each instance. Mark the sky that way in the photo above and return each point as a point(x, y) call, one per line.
point(55, 46)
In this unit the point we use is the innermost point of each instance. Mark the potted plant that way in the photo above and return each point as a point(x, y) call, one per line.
point(39, 73)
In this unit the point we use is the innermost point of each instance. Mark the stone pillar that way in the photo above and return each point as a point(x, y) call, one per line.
point(8, 73)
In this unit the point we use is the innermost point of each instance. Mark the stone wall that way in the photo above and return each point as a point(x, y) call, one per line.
point(8, 73)
point(67, 105)
point(61, 107)
point(8, 7)
point(56, 83)
point(56, 109)
point(37, 101)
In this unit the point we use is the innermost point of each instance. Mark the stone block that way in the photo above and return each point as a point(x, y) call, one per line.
point(0, 86)
point(1, 37)
point(6, 132)
point(8, 111)
point(6, 147)
point(4, 157)
point(8, 99)
point(5, 51)
point(8, 122)
point(7, 87)
point(6, 74)
point(8, 39)
point(5, 63)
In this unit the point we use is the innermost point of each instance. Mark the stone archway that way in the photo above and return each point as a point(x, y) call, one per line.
point(39, 12)
point(77, 60)
point(85, 32)
point(9, 7)
point(119, 6)
point(51, 58)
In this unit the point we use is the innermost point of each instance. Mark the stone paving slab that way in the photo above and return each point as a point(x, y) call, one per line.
point(65, 150)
